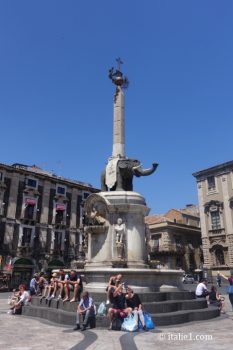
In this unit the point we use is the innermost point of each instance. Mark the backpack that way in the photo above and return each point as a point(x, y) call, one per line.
point(116, 323)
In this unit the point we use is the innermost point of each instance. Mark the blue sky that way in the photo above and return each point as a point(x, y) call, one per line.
point(56, 101)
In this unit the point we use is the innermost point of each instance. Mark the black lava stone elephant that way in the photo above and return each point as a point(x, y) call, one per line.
point(125, 170)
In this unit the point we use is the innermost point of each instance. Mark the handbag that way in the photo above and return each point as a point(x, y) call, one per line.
point(230, 289)
point(148, 320)
point(102, 310)
point(130, 323)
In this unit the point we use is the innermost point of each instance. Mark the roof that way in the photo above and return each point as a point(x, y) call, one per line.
point(156, 219)
point(224, 167)
point(34, 169)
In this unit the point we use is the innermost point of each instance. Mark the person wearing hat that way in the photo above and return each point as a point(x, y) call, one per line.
point(49, 288)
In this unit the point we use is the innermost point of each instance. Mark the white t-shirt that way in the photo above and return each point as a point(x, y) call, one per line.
point(201, 287)
point(24, 298)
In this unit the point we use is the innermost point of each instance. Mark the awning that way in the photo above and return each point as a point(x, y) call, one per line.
point(30, 201)
point(60, 207)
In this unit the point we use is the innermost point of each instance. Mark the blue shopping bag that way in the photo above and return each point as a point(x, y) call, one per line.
point(148, 320)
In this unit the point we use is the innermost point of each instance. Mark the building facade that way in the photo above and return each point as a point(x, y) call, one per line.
point(215, 195)
point(40, 220)
point(175, 239)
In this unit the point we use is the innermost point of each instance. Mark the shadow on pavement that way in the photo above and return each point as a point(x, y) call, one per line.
point(89, 338)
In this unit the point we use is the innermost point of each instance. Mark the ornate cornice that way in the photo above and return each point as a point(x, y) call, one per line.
point(212, 204)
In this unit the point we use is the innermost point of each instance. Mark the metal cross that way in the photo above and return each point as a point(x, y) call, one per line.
point(119, 62)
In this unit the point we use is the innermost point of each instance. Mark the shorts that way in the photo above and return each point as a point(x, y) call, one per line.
point(121, 313)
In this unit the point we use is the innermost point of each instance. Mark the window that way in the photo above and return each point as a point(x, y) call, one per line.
point(1, 176)
point(154, 244)
point(32, 183)
point(211, 183)
point(27, 235)
point(215, 220)
point(178, 242)
point(219, 257)
point(61, 190)
point(29, 208)
point(59, 217)
point(29, 211)
point(85, 195)
point(57, 240)
point(60, 209)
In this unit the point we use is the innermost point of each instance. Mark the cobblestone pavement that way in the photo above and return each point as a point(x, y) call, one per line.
point(24, 333)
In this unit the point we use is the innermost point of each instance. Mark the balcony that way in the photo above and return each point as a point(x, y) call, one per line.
point(217, 231)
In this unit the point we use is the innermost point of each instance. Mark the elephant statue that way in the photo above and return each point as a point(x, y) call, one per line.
point(124, 171)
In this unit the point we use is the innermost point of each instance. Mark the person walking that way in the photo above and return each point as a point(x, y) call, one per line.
point(230, 288)
point(218, 280)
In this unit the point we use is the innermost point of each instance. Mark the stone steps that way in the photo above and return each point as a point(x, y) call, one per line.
point(162, 319)
point(166, 308)
point(153, 307)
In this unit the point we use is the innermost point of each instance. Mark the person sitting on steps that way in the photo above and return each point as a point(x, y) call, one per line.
point(24, 299)
point(201, 290)
point(49, 288)
point(74, 281)
point(113, 281)
point(215, 299)
point(133, 301)
point(118, 308)
point(61, 281)
point(86, 309)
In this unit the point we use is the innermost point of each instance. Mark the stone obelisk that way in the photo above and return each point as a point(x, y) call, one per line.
point(118, 124)
point(121, 82)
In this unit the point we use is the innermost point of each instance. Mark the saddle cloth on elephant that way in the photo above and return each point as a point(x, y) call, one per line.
point(111, 172)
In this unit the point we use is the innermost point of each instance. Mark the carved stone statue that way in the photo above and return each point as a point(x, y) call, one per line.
point(120, 230)
point(125, 170)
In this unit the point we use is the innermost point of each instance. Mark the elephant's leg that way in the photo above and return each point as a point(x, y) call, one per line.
point(120, 181)
point(103, 184)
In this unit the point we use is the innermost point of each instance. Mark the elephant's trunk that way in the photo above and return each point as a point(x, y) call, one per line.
point(138, 171)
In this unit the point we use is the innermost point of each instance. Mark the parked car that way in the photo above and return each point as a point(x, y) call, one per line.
point(188, 279)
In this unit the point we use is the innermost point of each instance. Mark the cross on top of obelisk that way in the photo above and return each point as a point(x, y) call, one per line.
point(117, 76)
point(119, 62)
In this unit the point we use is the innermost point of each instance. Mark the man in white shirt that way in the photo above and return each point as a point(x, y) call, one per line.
point(201, 290)
point(86, 308)
point(23, 300)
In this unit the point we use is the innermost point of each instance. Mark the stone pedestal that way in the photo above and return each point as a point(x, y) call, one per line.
point(119, 246)
point(103, 210)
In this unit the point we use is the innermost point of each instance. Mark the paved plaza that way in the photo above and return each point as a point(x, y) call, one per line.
point(24, 333)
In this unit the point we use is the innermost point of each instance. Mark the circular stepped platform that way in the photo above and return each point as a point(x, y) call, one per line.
point(166, 308)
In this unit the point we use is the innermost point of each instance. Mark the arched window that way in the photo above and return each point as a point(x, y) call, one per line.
point(219, 257)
